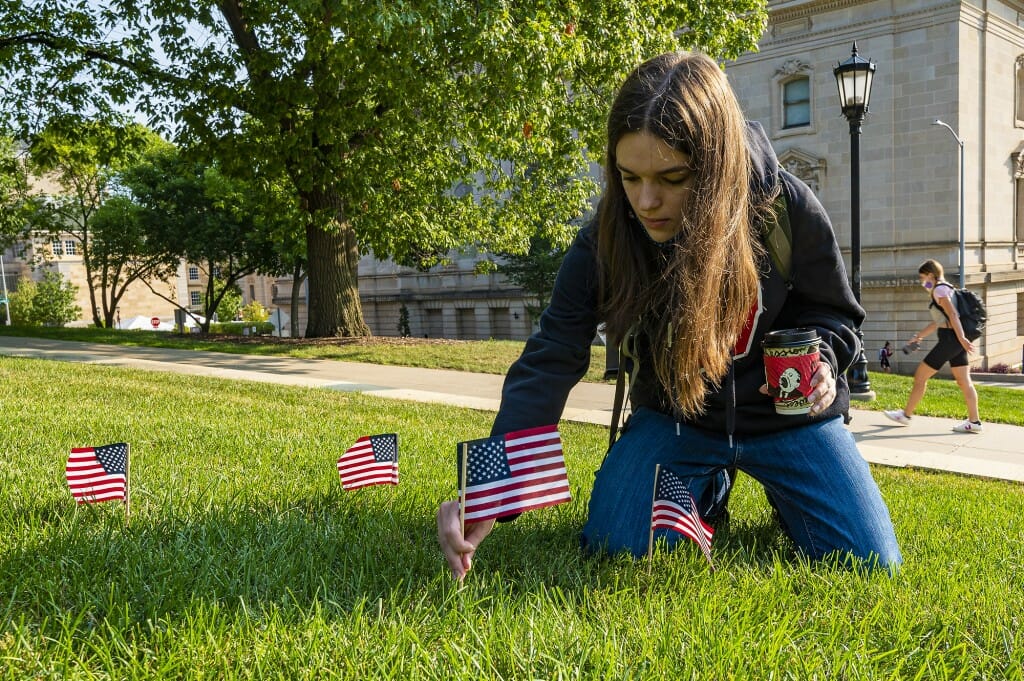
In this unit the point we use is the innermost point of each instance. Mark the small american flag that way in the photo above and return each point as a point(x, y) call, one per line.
point(98, 473)
point(675, 509)
point(512, 473)
point(372, 460)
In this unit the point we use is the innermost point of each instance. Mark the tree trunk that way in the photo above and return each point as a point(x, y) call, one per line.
point(332, 269)
point(297, 278)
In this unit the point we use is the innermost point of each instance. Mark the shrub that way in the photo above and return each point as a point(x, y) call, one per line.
point(21, 300)
point(50, 302)
point(230, 304)
point(238, 328)
point(1003, 368)
point(255, 312)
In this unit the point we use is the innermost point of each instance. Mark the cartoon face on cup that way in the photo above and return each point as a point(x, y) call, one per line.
point(790, 359)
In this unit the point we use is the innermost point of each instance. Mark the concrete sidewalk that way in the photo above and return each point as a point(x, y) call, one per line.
point(929, 443)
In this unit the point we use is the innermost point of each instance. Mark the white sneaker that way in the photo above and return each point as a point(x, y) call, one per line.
point(968, 427)
point(898, 416)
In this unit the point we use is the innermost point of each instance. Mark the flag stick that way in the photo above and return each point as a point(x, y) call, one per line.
point(462, 488)
point(127, 481)
point(650, 538)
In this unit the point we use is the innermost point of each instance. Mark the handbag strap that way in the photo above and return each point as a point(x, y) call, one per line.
point(620, 393)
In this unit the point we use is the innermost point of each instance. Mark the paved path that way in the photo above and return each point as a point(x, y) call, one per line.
point(928, 442)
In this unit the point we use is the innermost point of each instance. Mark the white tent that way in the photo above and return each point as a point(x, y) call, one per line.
point(144, 323)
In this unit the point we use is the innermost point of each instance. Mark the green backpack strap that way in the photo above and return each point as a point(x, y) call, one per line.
point(778, 237)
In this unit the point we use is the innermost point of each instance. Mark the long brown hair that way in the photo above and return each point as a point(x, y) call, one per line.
point(692, 295)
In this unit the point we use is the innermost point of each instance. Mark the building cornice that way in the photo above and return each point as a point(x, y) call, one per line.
point(784, 10)
point(998, 26)
point(792, 22)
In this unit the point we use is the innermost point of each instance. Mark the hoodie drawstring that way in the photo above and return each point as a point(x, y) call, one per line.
point(730, 412)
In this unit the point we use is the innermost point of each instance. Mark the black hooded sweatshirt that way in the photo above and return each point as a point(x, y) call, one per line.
point(818, 296)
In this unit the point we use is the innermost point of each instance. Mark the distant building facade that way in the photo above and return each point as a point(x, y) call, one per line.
point(447, 301)
point(960, 62)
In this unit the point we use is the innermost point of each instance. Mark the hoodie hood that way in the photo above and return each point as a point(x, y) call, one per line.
point(764, 174)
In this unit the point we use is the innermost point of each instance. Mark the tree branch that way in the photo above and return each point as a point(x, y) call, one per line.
point(90, 53)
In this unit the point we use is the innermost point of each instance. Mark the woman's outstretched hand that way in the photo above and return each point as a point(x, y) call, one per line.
point(459, 550)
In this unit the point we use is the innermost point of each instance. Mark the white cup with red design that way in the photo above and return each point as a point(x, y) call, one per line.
point(790, 359)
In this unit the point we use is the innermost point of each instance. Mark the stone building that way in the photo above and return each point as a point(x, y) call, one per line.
point(449, 301)
point(959, 62)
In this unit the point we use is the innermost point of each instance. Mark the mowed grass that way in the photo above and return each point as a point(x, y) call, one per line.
point(942, 398)
point(243, 558)
point(485, 356)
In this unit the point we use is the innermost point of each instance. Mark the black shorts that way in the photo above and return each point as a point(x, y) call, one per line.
point(948, 349)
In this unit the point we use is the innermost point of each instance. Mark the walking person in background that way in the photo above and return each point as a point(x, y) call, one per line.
point(883, 357)
point(952, 347)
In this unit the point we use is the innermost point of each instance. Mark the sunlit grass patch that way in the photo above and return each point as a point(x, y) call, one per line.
point(243, 558)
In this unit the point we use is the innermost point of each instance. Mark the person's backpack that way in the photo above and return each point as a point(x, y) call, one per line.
point(973, 315)
point(971, 310)
point(778, 238)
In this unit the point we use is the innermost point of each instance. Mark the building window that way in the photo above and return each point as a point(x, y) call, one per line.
point(195, 298)
point(57, 246)
point(796, 103)
point(193, 273)
point(1018, 92)
point(70, 248)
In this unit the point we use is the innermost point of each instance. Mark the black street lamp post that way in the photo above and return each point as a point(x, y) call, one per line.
point(853, 78)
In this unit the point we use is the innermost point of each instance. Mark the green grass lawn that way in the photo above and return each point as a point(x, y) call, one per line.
point(244, 559)
point(489, 356)
point(943, 398)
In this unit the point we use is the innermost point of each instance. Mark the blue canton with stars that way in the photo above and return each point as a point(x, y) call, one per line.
point(385, 447)
point(113, 458)
point(671, 488)
point(487, 461)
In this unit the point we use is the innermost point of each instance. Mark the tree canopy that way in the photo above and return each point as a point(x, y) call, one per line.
point(409, 128)
point(186, 210)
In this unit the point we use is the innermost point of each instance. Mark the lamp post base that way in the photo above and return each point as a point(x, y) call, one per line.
point(857, 376)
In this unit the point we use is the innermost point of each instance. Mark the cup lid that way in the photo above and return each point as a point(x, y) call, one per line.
point(787, 336)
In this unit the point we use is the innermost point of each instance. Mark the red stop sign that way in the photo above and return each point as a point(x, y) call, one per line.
point(155, 321)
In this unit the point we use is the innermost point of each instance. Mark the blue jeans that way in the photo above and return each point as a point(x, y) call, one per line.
point(814, 476)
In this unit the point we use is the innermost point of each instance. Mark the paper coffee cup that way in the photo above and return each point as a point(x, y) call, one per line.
point(790, 359)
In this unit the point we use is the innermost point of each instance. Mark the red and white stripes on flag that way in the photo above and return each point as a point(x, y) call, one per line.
point(508, 474)
point(98, 473)
point(372, 460)
point(675, 509)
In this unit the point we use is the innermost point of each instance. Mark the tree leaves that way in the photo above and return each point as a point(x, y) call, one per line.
point(488, 114)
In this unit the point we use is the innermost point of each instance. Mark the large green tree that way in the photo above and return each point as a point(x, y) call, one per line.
point(535, 270)
point(228, 227)
point(14, 194)
point(80, 159)
point(406, 127)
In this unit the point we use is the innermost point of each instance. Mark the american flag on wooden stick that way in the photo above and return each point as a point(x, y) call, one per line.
point(512, 473)
point(98, 473)
point(675, 509)
point(372, 460)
